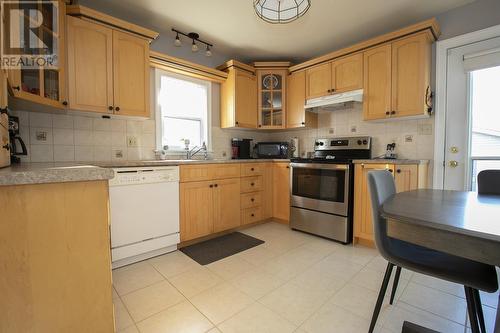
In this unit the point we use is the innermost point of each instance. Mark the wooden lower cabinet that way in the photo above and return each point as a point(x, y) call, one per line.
point(55, 264)
point(281, 191)
point(226, 201)
point(407, 177)
point(196, 209)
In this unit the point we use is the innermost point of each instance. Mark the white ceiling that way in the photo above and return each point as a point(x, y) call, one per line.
point(237, 32)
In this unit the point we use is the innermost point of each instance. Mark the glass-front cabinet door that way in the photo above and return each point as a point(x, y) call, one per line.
point(271, 98)
point(39, 74)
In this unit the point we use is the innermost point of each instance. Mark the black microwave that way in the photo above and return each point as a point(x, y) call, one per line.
point(272, 149)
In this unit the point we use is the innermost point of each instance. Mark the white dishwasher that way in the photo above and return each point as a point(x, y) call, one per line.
point(144, 208)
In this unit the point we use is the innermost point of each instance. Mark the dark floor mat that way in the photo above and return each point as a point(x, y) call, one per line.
point(221, 247)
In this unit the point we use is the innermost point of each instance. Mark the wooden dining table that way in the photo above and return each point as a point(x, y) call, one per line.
point(465, 224)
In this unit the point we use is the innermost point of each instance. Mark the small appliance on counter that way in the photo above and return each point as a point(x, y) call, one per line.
point(241, 149)
point(277, 150)
point(294, 147)
point(390, 152)
point(14, 136)
point(4, 139)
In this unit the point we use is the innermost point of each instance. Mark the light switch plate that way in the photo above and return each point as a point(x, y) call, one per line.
point(408, 138)
point(132, 141)
point(41, 136)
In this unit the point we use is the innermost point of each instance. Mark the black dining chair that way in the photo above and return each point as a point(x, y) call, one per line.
point(488, 182)
point(472, 275)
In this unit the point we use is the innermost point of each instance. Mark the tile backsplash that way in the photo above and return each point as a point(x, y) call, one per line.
point(81, 138)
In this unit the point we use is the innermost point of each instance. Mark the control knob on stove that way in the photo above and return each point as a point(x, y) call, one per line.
point(321, 143)
point(365, 142)
point(360, 142)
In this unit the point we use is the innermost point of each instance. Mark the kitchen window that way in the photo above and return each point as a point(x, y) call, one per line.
point(182, 111)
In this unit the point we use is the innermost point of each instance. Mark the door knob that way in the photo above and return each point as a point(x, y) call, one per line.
point(453, 164)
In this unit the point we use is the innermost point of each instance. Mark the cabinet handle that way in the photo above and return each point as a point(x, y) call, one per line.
point(117, 109)
point(110, 108)
point(393, 112)
point(253, 215)
point(236, 123)
point(398, 170)
point(329, 90)
point(215, 185)
point(387, 113)
point(303, 123)
point(211, 185)
point(390, 170)
point(333, 90)
point(16, 88)
point(6, 147)
point(260, 125)
point(288, 167)
point(65, 103)
point(252, 184)
point(252, 169)
point(252, 200)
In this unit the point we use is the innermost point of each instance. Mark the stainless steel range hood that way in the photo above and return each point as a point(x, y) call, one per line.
point(335, 99)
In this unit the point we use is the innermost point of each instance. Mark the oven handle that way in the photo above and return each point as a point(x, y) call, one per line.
point(320, 166)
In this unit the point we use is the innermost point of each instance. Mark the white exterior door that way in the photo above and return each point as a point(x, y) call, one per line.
point(461, 62)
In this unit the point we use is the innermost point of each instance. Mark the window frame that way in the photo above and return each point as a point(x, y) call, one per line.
point(176, 150)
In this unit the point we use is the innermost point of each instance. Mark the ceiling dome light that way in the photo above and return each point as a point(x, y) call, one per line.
point(177, 41)
point(194, 47)
point(208, 53)
point(281, 11)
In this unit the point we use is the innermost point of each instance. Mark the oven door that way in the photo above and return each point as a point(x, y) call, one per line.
point(321, 187)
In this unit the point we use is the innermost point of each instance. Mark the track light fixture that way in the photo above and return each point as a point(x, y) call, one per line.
point(195, 38)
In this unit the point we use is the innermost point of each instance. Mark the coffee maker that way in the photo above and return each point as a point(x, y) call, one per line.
point(14, 136)
point(241, 149)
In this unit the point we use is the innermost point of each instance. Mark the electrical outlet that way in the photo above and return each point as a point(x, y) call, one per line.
point(118, 153)
point(41, 136)
point(331, 131)
point(408, 138)
point(354, 129)
point(132, 141)
point(224, 154)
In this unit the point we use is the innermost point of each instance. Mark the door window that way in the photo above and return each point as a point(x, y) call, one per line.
point(320, 184)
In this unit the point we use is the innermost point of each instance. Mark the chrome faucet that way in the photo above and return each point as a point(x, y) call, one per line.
point(190, 153)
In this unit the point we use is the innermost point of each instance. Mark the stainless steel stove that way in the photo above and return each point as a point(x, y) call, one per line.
point(322, 187)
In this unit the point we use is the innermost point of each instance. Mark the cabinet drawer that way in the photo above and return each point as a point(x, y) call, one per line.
point(200, 172)
point(251, 184)
point(251, 215)
point(252, 169)
point(253, 199)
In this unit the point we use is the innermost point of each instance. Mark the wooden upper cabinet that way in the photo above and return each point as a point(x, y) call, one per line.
point(411, 61)
point(318, 81)
point(90, 66)
point(347, 73)
point(377, 82)
point(226, 204)
point(272, 92)
point(296, 98)
point(239, 99)
point(131, 74)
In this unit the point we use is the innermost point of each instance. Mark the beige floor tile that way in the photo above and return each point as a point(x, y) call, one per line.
point(179, 318)
point(122, 317)
point(230, 267)
point(133, 277)
point(357, 254)
point(292, 263)
point(358, 300)
point(214, 330)
point(150, 300)
point(221, 302)
point(195, 281)
point(256, 318)
point(173, 263)
point(333, 266)
point(294, 303)
point(441, 285)
point(258, 255)
point(380, 264)
point(404, 312)
point(131, 329)
point(257, 283)
point(331, 318)
point(372, 280)
point(313, 278)
point(431, 300)
point(281, 245)
point(323, 246)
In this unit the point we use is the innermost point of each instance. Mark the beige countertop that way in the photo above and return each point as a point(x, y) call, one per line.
point(43, 173)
